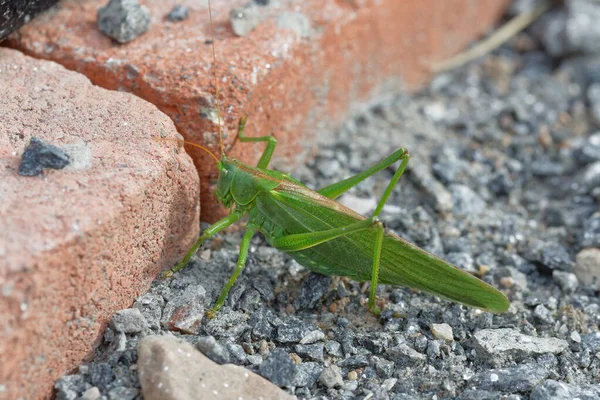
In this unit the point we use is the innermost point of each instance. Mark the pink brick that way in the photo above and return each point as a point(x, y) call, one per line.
point(290, 86)
point(78, 244)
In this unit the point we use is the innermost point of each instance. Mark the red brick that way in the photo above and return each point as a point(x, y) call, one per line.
point(80, 243)
point(358, 48)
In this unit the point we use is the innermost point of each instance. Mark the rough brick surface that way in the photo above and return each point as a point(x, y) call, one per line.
point(80, 243)
point(292, 85)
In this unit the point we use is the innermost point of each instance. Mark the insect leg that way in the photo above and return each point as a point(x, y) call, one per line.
point(375, 274)
point(210, 231)
point(241, 263)
point(271, 143)
point(334, 190)
point(301, 241)
point(388, 190)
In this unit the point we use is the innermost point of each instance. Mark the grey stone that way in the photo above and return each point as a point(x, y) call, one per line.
point(334, 348)
point(552, 255)
point(227, 324)
point(307, 374)
point(129, 320)
point(331, 377)
point(501, 345)
point(405, 356)
point(466, 201)
point(554, 390)
point(278, 368)
point(124, 20)
point(260, 321)
point(39, 155)
point(384, 368)
point(243, 20)
point(236, 352)
point(68, 387)
point(591, 231)
point(101, 375)
point(310, 351)
point(123, 393)
point(213, 349)
point(151, 306)
point(589, 151)
point(313, 287)
point(353, 362)
point(566, 280)
point(312, 337)
point(520, 378)
point(587, 267)
point(295, 21)
point(291, 331)
point(178, 13)
point(441, 198)
point(593, 95)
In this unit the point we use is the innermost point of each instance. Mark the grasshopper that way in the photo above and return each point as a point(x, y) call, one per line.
point(327, 237)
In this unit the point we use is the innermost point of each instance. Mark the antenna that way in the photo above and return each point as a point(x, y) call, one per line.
point(160, 139)
point(212, 41)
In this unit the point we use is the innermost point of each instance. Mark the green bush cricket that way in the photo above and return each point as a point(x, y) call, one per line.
point(325, 236)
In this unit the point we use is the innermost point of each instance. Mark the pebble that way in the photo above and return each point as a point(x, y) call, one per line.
point(178, 13)
point(498, 346)
point(521, 378)
point(312, 337)
point(278, 368)
point(124, 20)
point(310, 351)
point(213, 349)
point(92, 393)
point(313, 288)
point(466, 201)
point(566, 280)
point(130, 320)
point(442, 331)
point(39, 155)
point(331, 377)
point(587, 267)
point(554, 390)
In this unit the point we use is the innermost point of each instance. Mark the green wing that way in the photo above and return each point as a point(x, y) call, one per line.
point(291, 208)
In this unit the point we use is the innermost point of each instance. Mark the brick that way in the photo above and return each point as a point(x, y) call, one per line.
point(79, 243)
point(290, 85)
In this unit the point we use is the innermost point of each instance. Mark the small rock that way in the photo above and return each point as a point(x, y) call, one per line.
point(151, 306)
point(213, 349)
point(39, 155)
point(442, 331)
point(551, 255)
point(123, 393)
point(405, 356)
point(521, 378)
point(384, 368)
point(334, 348)
point(593, 95)
point(68, 387)
point(170, 369)
point(591, 231)
point(566, 280)
point(501, 345)
point(421, 176)
point(185, 312)
point(178, 13)
point(590, 149)
point(123, 20)
point(291, 331)
point(353, 362)
point(101, 375)
point(575, 337)
point(313, 287)
point(466, 201)
point(295, 21)
point(307, 374)
point(352, 376)
point(129, 320)
point(553, 390)
point(331, 377)
point(587, 267)
point(236, 352)
point(311, 351)
point(389, 384)
point(312, 337)
point(278, 368)
point(243, 20)
point(92, 393)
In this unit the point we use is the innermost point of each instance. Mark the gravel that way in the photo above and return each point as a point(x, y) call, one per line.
point(504, 180)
